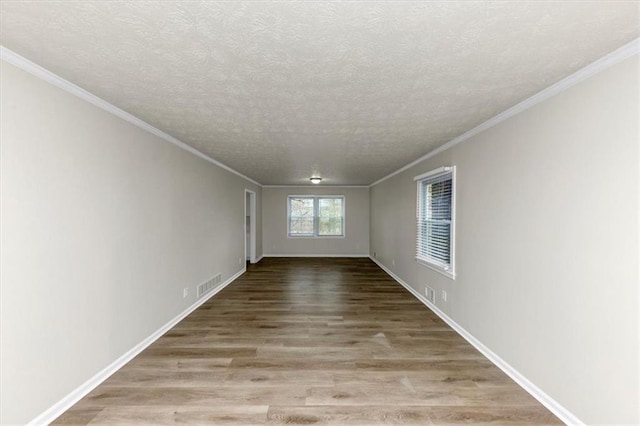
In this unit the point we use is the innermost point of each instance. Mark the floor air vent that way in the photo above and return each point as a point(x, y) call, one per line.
point(209, 285)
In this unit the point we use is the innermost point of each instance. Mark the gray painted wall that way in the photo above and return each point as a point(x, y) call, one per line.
point(274, 219)
point(547, 243)
point(103, 225)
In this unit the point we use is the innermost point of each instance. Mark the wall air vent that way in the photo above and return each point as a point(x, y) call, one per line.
point(209, 285)
point(430, 293)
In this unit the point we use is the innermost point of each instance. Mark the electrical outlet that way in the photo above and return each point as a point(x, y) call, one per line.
point(239, 261)
point(375, 255)
point(444, 295)
point(430, 293)
point(185, 292)
point(393, 262)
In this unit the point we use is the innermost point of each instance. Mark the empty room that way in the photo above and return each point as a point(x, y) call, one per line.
point(323, 212)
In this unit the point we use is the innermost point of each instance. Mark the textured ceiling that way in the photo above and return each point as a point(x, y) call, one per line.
point(283, 90)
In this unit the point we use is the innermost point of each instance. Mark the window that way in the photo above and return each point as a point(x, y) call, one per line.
point(311, 216)
point(435, 217)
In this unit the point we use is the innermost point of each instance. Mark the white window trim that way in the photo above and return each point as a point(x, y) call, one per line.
point(315, 225)
point(446, 270)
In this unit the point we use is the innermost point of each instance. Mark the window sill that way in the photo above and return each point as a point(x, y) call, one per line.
point(439, 269)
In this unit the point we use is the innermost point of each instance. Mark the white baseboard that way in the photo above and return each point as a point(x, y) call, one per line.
point(562, 413)
point(259, 259)
point(81, 391)
point(316, 255)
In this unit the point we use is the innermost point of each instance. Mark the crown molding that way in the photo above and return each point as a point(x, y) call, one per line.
point(617, 56)
point(36, 70)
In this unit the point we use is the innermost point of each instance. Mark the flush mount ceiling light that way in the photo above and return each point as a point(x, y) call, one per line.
point(316, 180)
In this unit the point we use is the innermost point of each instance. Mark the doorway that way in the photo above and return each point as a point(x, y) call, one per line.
point(250, 226)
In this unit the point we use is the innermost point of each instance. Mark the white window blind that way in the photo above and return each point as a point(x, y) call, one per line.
point(435, 219)
point(314, 216)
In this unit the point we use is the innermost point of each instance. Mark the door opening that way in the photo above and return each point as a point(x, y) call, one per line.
point(250, 226)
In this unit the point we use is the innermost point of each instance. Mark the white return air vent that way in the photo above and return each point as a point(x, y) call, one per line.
point(209, 285)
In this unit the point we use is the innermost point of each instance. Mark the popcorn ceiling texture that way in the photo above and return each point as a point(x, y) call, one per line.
point(351, 91)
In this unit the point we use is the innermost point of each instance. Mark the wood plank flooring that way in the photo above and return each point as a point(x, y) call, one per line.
point(310, 341)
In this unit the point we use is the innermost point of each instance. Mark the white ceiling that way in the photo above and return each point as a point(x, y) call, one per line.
point(351, 91)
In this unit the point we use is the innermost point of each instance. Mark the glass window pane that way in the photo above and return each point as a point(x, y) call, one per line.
point(301, 207)
point(330, 207)
point(438, 241)
point(301, 216)
point(330, 226)
point(439, 200)
point(301, 226)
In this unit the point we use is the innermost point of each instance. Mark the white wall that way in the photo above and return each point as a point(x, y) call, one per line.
point(547, 243)
point(103, 225)
point(274, 219)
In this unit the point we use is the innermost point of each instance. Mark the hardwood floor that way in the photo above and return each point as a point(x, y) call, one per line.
point(310, 341)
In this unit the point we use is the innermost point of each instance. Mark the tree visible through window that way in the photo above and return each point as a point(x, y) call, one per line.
point(314, 216)
point(301, 216)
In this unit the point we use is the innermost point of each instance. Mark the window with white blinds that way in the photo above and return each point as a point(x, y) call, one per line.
point(435, 220)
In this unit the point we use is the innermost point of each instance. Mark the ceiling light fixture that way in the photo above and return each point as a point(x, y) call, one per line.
point(316, 180)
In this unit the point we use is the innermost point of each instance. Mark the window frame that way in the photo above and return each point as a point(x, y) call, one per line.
point(316, 217)
point(447, 269)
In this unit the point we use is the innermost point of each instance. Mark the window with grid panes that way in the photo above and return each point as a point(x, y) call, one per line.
point(315, 216)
